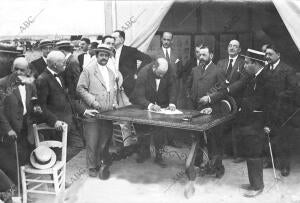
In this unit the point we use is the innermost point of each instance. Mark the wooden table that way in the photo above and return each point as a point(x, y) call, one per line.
point(202, 123)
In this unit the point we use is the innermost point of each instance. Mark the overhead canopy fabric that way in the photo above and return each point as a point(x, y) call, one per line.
point(140, 20)
point(289, 11)
point(51, 18)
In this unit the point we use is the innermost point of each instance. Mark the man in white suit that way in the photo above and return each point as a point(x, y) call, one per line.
point(96, 88)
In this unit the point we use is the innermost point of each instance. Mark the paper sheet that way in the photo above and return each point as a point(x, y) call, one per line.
point(167, 112)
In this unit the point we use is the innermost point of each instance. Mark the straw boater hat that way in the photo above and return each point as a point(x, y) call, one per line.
point(42, 157)
point(255, 55)
point(45, 42)
point(63, 44)
point(104, 48)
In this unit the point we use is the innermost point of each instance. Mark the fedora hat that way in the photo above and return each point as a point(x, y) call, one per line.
point(42, 157)
point(10, 48)
point(45, 42)
point(104, 48)
point(255, 55)
point(64, 43)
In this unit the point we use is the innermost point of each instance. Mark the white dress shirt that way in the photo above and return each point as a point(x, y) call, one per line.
point(86, 59)
point(157, 81)
point(45, 59)
point(117, 57)
point(167, 50)
point(57, 78)
point(273, 66)
point(105, 75)
point(111, 64)
point(22, 90)
point(233, 61)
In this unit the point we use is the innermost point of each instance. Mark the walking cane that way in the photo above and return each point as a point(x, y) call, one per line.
point(267, 131)
point(18, 198)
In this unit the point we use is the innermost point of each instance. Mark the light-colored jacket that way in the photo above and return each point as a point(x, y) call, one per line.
point(91, 87)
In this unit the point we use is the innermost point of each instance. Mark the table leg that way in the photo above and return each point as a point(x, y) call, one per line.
point(189, 165)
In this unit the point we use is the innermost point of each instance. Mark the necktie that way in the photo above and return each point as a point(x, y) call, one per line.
point(167, 56)
point(229, 69)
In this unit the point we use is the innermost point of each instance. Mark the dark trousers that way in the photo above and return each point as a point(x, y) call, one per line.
point(251, 143)
point(214, 147)
point(98, 134)
point(144, 133)
point(280, 141)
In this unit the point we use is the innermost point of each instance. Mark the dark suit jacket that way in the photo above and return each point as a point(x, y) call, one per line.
point(80, 60)
point(236, 69)
point(145, 89)
point(187, 68)
point(175, 60)
point(280, 92)
point(128, 66)
point(38, 66)
point(11, 107)
point(54, 100)
point(200, 84)
point(71, 76)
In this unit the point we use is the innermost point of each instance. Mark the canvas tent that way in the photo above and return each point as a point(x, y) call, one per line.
point(139, 19)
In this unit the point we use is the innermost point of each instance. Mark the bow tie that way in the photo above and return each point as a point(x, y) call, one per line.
point(56, 75)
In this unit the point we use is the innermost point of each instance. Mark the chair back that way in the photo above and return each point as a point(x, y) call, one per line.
point(52, 143)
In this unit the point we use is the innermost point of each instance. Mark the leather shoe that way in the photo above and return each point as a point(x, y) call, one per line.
point(246, 187)
point(93, 172)
point(285, 171)
point(253, 193)
point(104, 172)
point(220, 171)
point(160, 162)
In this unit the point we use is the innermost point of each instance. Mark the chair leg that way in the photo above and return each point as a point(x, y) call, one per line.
point(24, 186)
point(55, 180)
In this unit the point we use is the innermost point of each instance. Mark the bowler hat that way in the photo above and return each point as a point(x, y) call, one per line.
point(63, 44)
point(255, 55)
point(45, 42)
point(42, 157)
point(104, 48)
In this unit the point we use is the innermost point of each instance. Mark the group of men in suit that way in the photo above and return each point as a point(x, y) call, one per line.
point(93, 78)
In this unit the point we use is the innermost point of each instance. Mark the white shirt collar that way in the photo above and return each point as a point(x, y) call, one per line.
point(166, 49)
point(45, 59)
point(233, 59)
point(207, 65)
point(258, 72)
point(51, 71)
point(276, 64)
point(68, 56)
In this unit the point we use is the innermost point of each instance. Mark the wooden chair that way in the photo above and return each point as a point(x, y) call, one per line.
point(37, 180)
point(119, 133)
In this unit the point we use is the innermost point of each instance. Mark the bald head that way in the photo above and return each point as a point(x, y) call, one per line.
point(20, 66)
point(161, 67)
point(234, 48)
point(56, 61)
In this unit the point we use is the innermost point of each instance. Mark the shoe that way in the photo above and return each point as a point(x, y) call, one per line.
point(246, 187)
point(220, 171)
point(253, 193)
point(238, 160)
point(285, 171)
point(93, 172)
point(159, 161)
point(104, 172)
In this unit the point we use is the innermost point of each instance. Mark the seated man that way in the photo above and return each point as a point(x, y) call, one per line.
point(155, 89)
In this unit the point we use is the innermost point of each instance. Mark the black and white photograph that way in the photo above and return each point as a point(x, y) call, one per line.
point(149, 101)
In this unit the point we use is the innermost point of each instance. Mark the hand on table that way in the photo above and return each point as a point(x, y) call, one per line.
point(90, 112)
point(59, 125)
point(155, 107)
point(171, 107)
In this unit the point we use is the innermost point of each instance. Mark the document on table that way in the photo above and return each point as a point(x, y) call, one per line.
point(167, 111)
